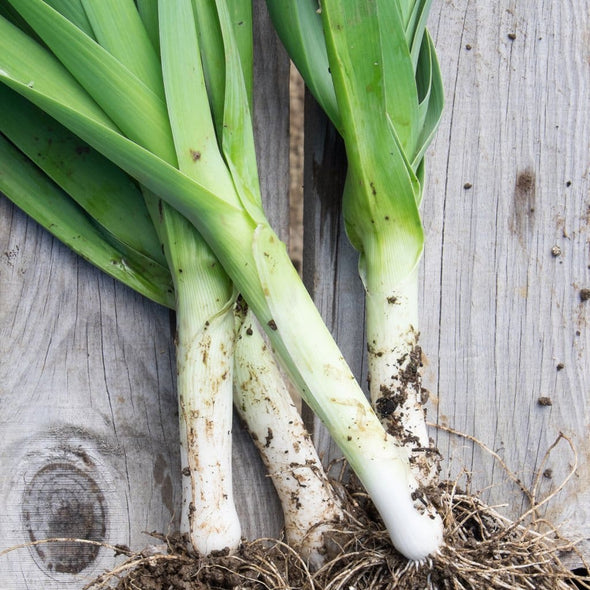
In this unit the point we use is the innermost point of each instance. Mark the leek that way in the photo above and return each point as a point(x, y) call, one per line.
point(373, 69)
point(261, 397)
point(310, 507)
point(102, 101)
point(87, 178)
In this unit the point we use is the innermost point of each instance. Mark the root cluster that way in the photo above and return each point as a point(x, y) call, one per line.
point(482, 550)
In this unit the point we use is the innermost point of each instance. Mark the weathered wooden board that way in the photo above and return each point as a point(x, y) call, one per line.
point(506, 214)
point(88, 415)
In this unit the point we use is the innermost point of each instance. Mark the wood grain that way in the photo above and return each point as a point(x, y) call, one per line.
point(88, 414)
point(506, 325)
point(87, 410)
point(506, 214)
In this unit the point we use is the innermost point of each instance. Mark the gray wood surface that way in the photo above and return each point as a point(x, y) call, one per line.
point(503, 322)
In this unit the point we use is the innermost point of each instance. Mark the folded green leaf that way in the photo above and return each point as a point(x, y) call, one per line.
point(299, 25)
point(133, 48)
point(148, 12)
point(193, 129)
point(431, 94)
point(237, 139)
point(106, 193)
point(33, 192)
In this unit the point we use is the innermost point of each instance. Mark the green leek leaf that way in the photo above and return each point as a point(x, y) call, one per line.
point(99, 187)
point(74, 11)
point(148, 12)
point(299, 25)
point(125, 98)
point(33, 192)
point(134, 49)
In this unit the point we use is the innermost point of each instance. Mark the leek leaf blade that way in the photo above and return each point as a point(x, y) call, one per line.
point(32, 191)
point(127, 100)
point(99, 187)
point(237, 139)
point(195, 139)
point(133, 48)
point(299, 25)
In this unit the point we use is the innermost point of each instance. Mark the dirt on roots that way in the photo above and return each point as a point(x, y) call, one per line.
point(482, 550)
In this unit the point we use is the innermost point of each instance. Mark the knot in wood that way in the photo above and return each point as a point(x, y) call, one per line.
point(62, 501)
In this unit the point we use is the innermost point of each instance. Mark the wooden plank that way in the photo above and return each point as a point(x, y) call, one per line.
point(88, 415)
point(503, 323)
point(87, 410)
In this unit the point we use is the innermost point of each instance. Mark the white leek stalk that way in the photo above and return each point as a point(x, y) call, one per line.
point(394, 370)
point(310, 506)
point(204, 348)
